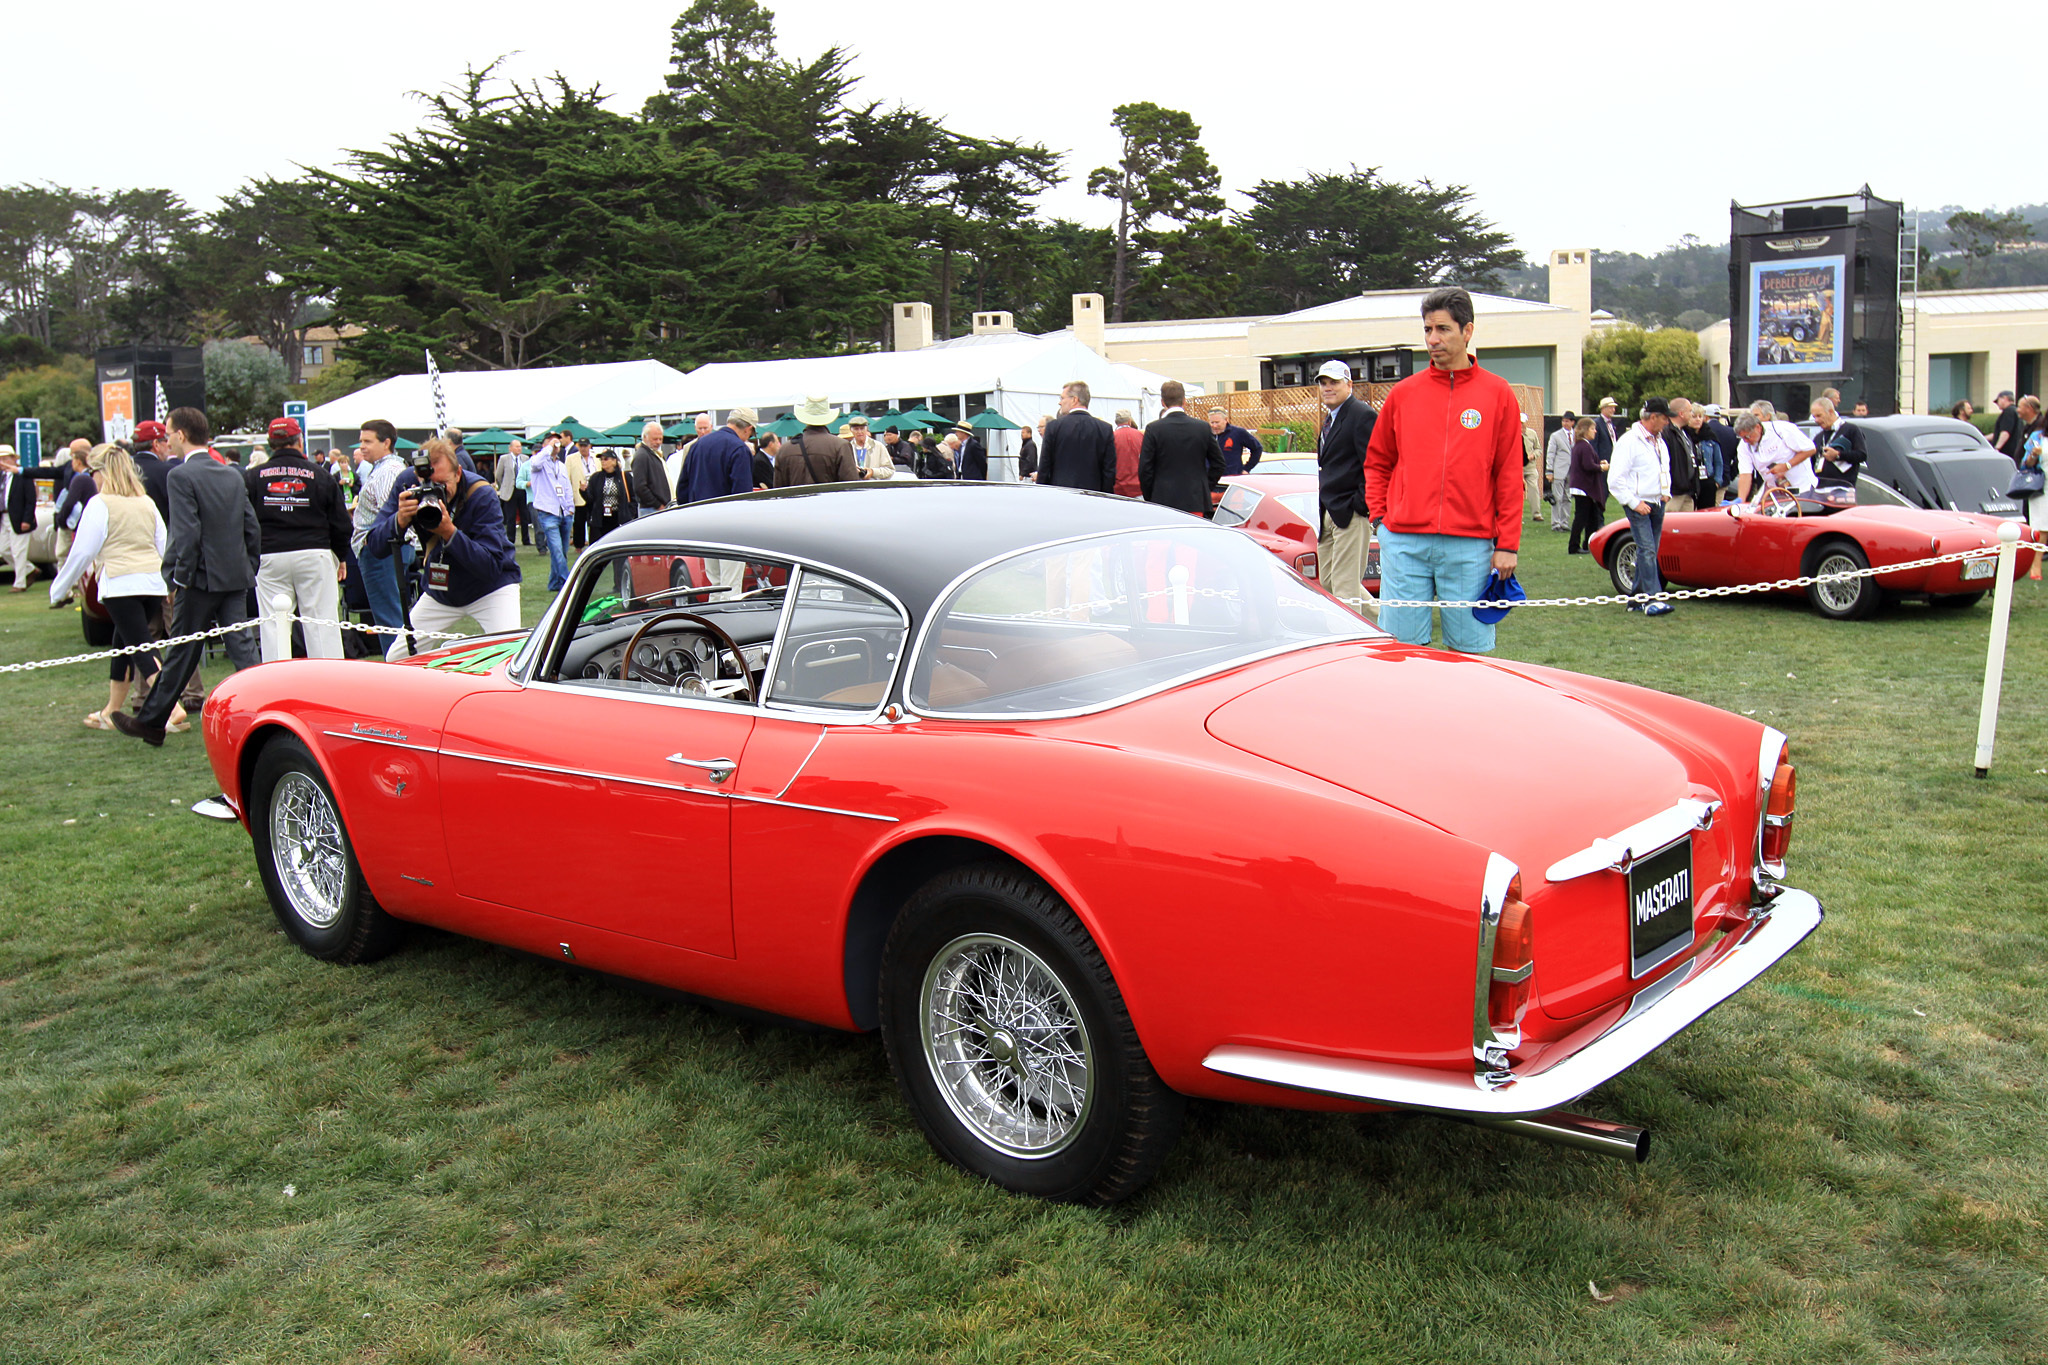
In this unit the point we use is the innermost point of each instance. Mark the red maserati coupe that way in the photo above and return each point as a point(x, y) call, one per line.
point(1086, 805)
point(1821, 532)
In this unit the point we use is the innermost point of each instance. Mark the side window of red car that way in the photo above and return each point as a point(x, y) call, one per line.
point(841, 647)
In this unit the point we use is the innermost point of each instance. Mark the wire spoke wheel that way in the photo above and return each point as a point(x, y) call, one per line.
point(1007, 1045)
point(305, 839)
point(1839, 595)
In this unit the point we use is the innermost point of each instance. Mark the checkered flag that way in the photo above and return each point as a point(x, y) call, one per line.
point(440, 398)
point(163, 405)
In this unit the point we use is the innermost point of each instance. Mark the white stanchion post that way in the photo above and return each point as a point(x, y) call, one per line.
point(1994, 662)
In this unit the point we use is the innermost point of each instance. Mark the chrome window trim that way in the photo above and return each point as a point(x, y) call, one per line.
point(782, 634)
point(597, 776)
point(758, 707)
point(924, 630)
point(1770, 753)
point(1490, 1047)
point(374, 739)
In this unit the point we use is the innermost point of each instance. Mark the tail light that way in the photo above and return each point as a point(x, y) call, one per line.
point(1779, 807)
point(1305, 565)
point(1514, 962)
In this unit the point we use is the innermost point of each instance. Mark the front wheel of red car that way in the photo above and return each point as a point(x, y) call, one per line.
point(309, 866)
point(1621, 562)
point(1011, 1043)
point(1847, 599)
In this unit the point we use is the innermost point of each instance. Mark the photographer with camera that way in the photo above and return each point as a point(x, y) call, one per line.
point(470, 569)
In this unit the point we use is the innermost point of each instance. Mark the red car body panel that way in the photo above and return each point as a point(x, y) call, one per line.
point(1719, 548)
point(1286, 533)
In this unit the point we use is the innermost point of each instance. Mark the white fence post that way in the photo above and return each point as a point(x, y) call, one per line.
point(1994, 662)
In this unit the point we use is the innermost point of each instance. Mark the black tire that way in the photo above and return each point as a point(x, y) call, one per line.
point(1621, 562)
point(330, 914)
point(1955, 600)
point(1841, 601)
point(1095, 1142)
point(679, 573)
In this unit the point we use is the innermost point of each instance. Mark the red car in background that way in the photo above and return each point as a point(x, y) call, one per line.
point(1823, 531)
point(1279, 512)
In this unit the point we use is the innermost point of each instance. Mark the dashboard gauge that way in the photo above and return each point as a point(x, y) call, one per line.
point(679, 663)
point(593, 670)
point(704, 649)
point(647, 656)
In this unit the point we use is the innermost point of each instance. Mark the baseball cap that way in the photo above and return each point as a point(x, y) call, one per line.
point(1333, 369)
point(283, 430)
point(1656, 407)
point(745, 417)
point(145, 432)
point(1504, 591)
point(2003, 393)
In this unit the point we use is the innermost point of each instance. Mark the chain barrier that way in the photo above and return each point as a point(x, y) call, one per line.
point(214, 632)
point(1088, 608)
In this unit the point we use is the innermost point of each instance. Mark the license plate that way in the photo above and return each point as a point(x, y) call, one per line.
point(1979, 568)
point(1660, 906)
point(2000, 508)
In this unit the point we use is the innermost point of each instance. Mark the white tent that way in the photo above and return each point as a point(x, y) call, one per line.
point(519, 401)
point(1016, 374)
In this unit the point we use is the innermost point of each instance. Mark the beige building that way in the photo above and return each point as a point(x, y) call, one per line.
point(1378, 334)
point(1967, 343)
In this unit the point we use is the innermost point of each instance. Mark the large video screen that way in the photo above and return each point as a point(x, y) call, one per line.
point(1796, 316)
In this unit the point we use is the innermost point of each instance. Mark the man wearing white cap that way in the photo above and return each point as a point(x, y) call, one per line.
point(1343, 529)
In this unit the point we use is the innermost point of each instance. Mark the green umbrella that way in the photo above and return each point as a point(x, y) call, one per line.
point(578, 432)
point(785, 427)
point(686, 427)
point(625, 433)
point(492, 440)
point(991, 420)
point(925, 417)
point(896, 420)
point(402, 444)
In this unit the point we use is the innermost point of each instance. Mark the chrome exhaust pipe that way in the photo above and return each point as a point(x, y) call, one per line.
point(1577, 1130)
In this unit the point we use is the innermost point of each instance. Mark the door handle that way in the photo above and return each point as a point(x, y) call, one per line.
point(718, 769)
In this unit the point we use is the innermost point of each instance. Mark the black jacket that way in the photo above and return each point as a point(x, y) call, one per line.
point(623, 504)
point(155, 474)
point(215, 541)
point(1177, 462)
point(1027, 457)
point(650, 480)
point(1841, 455)
point(974, 459)
point(1340, 461)
point(1603, 440)
point(21, 502)
point(933, 463)
point(1241, 450)
point(298, 505)
point(1079, 451)
point(1679, 458)
point(479, 558)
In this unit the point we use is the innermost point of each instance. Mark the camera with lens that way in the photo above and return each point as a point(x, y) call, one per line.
point(431, 503)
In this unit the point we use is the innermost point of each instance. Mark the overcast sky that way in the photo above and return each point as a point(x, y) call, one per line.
point(1690, 107)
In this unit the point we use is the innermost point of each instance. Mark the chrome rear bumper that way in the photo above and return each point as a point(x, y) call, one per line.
point(1679, 1000)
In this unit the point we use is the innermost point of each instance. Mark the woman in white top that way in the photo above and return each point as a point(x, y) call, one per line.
point(122, 532)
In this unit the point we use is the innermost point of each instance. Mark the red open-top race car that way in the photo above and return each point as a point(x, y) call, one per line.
point(1087, 805)
point(1821, 532)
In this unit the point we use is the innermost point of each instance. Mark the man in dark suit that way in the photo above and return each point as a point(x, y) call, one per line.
point(18, 491)
point(1607, 429)
point(973, 454)
point(214, 546)
point(1344, 530)
point(1079, 449)
point(649, 478)
point(1179, 458)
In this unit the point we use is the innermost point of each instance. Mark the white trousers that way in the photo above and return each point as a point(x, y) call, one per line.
point(14, 546)
point(495, 612)
point(301, 581)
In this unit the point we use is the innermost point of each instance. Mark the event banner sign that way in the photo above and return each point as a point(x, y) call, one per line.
point(117, 408)
point(28, 441)
point(1796, 318)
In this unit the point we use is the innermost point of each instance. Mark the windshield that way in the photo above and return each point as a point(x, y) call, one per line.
point(1303, 505)
point(1085, 624)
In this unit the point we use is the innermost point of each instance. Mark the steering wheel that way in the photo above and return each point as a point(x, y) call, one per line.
point(1781, 501)
point(742, 687)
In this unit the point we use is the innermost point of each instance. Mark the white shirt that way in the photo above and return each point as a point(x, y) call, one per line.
point(87, 542)
point(1637, 471)
point(1773, 447)
point(371, 494)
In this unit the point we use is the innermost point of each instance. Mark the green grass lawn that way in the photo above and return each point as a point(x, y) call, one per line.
point(213, 1148)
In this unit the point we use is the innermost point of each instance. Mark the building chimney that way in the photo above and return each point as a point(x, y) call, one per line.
point(994, 324)
point(913, 325)
point(1571, 279)
point(1088, 323)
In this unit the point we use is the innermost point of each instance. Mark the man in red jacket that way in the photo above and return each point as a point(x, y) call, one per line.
point(1443, 482)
